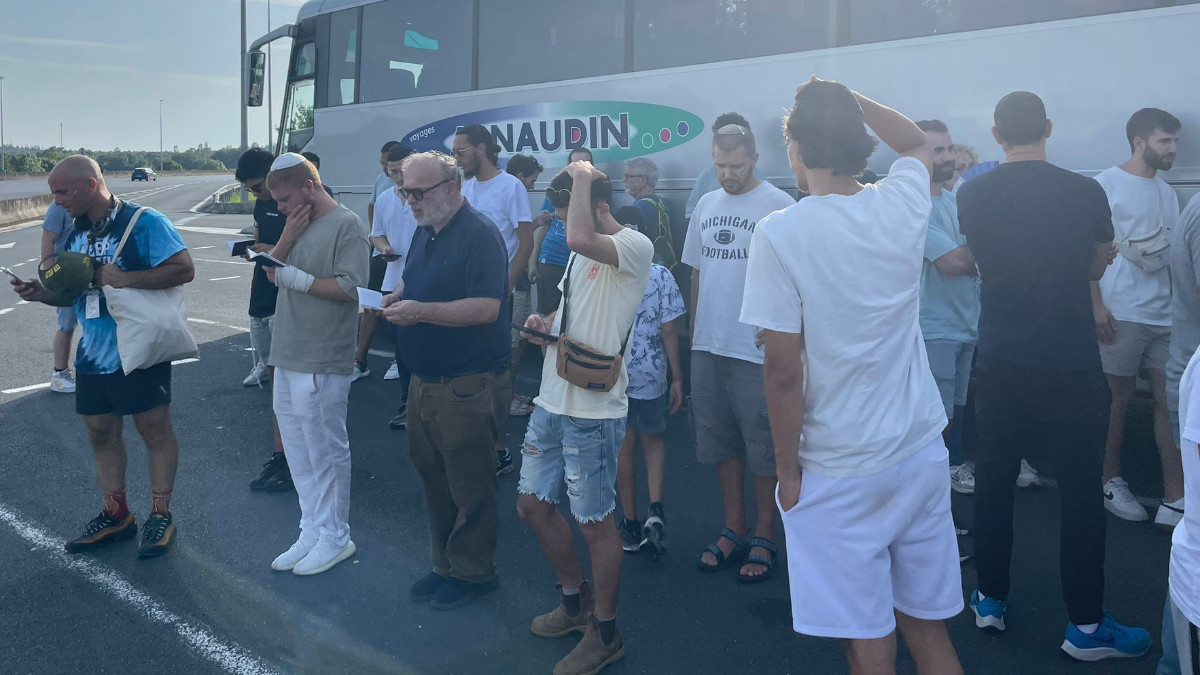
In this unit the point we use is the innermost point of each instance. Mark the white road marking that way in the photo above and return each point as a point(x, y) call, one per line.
point(206, 322)
point(227, 655)
point(21, 263)
point(185, 221)
point(239, 261)
point(180, 362)
point(201, 248)
point(224, 278)
point(227, 231)
point(8, 245)
point(32, 260)
point(22, 302)
point(18, 390)
point(6, 310)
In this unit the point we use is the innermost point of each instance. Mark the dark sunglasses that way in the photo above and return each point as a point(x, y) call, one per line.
point(417, 194)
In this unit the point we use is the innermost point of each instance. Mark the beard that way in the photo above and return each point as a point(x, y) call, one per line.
point(1156, 161)
point(942, 172)
point(433, 214)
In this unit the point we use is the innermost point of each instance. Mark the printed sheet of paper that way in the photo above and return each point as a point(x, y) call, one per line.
point(368, 299)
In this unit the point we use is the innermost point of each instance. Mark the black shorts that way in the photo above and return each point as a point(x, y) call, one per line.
point(121, 394)
point(378, 269)
point(647, 416)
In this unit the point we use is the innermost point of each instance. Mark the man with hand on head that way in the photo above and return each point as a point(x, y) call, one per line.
point(312, 351)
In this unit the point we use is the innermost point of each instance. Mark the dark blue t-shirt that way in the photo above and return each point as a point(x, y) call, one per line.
point(1033, 229)
point(467, 259)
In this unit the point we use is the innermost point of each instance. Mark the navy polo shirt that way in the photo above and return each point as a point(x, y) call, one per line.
point(467, 259)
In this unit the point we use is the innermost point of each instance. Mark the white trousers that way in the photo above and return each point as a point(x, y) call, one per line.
point(311, 410)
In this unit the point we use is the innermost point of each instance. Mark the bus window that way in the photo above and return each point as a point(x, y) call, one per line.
point(305, 64)
point(413, 48)
point(681, 32)
point(341, 59)
point(549, 40)
point(298, 115)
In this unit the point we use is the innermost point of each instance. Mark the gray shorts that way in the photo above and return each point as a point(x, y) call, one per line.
point(67, 319)
point(260, 337)
point(1137, 345)
point(950, 361)
point(729, 412)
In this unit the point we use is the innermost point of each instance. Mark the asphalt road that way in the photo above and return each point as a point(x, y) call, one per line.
point(214, 605)
point(28, 187)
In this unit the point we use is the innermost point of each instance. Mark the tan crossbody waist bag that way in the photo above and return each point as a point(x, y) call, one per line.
point(581, 364)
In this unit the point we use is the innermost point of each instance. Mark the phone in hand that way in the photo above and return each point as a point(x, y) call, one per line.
point(536, 333)
point(12, 274)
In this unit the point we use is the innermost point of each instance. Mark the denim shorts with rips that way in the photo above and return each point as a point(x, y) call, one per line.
point(581, 451)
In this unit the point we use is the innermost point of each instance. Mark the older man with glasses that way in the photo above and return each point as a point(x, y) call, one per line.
point(452, 313)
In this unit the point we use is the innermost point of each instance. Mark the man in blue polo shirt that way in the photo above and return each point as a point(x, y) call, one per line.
point(451, 309)
point(155, 257)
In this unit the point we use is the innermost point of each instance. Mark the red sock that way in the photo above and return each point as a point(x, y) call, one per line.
point(114, 505)
point(161, 502)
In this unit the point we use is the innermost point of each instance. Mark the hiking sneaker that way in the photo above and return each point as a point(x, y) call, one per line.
point(281, 481)
point(271, 467)
point(103, 530)
point(989, 612)
point(558, 623)
point(400, 421)
point(631, 535)
point(591, 655)
point(1169, 514)
point(455, 593)
point(361, 370)
point(63, 382)
point(504, 462)
point(258, 376)
point(393, 372)
point(1121, 503)
point(654, 532)
point(288, 559)
point(322, 557)
point(1110, 641)
point(1028, 476)
point(158, 532)
point(962, 479)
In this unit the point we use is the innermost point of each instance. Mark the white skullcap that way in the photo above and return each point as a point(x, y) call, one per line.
point(286, 160)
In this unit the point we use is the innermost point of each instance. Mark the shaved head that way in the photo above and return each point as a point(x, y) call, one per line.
point(78, 186)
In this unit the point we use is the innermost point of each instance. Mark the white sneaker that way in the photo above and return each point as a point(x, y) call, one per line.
point(1169, 514)
point(322, 557)
point(63, 382)
point(1121, 503)
point(257, 376)
point(393, 372)
point(1028, 477)
point(361, 370)
point(288, 559)
point(962, 479)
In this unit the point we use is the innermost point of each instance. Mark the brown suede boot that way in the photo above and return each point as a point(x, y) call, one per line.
point(558, 623)
point(591, 655)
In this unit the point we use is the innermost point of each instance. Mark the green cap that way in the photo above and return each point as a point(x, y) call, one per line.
point(70, 274)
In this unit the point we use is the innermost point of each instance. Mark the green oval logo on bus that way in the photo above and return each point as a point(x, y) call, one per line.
point(614, 131)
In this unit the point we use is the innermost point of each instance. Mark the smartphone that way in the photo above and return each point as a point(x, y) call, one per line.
point(239, 248)
point(10, 273)
point(536, 333)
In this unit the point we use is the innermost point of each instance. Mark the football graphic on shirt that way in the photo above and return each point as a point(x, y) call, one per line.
point(723, 237)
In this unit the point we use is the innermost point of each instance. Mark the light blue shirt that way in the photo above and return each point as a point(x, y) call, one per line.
point(949, 304)
point(61, 224)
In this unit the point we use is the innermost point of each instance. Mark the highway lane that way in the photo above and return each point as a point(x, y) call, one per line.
point(118, 182)
point(217, 581)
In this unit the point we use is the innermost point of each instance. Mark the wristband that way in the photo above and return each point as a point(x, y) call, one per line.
point(293, 278)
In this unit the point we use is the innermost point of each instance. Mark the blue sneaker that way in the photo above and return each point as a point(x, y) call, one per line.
point(989, 612)
point(1111, 640)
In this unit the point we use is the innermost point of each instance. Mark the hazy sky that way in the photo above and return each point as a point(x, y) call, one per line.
point(100, 66)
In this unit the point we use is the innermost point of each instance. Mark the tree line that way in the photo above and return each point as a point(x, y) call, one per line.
point(36, 160)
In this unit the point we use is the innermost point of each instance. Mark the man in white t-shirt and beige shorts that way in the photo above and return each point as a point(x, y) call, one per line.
point(856, 417)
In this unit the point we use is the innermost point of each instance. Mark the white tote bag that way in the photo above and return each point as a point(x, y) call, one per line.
point(151, 324)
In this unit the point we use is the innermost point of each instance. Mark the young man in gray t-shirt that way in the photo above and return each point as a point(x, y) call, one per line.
point(312, 349)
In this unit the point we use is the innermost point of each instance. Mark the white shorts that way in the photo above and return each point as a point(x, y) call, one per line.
point(860, 547)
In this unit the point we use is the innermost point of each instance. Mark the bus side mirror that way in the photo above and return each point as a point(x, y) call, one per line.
point(256, 70)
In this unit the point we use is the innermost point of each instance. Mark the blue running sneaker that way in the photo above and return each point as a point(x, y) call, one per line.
point(1111, 640)
point(989, 612)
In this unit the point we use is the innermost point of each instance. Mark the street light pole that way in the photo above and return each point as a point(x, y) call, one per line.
point(160, 143)
point(60, 141)
point(270, 96)
point(1, 124)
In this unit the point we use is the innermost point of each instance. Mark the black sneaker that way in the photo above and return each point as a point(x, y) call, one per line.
point(455, 593)
point(631, 535)
point(426, 587)
point(400, 421)
point(103, 530)
point(504, 462)
point(157, 534)
point(270, 468)
point(654, 532)
point(280, 482)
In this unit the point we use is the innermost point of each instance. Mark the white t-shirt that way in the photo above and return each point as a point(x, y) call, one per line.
point(604, 302)
point(1137, 205)
point(504, 199)
point(718, 246)
point(846, 272)
point(1185, 542)
point(394, 220)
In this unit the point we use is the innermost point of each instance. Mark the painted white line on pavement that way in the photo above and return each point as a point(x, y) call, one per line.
point(6, 310)
point(227, 231)
point(18, 390)
point(185, 221)
point(206, 322)
point(224, 278)
point(201, 248)
point(226, 655)
point(180, 362)
point(224, 262)
point(32, 260)
point(22, 302)
point(8, 245)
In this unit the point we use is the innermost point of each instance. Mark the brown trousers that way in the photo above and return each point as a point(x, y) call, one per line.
point(453, 428)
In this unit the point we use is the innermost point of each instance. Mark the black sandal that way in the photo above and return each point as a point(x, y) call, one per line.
point(769, 563)
point(740, 550)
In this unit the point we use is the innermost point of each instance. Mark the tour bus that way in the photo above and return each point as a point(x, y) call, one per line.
point(630, 78)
